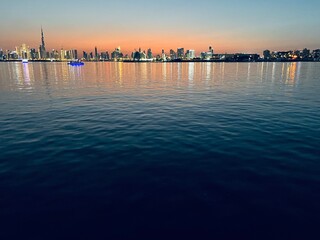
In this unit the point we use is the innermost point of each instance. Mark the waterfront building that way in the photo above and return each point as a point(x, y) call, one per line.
point(242, 57)
point(42, 48)
point(163, 55)
point(74, 53)
point(23, 51)
point(305, 54)
point(190, 54)
point(207, 55)
point(62, 55)
point(85, 55)
point(96, 55)
point(104, 56)
point(139, 55)
point(267, 55)
point(55, 55)
point(173, 54)
point(316, 55)
point(136, 55)
point(149, 54)
point(180, 53)
point(33, 54)
point(117, 54)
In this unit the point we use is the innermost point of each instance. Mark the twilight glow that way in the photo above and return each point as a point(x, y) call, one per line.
point(229, 26)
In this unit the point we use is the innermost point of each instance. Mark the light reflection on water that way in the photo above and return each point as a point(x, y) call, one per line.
point(154, 76)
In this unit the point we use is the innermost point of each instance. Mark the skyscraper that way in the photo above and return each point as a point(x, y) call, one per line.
point(180, 53)
point(23, 51)
point(149, 54)
point(42, 49)
point(96, 54)
point(190, 54)
point(173, 54)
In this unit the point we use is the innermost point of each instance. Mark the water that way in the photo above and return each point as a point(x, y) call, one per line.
point(159, 151)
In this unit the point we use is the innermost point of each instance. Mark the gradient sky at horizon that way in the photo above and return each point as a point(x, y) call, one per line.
point(229, 26)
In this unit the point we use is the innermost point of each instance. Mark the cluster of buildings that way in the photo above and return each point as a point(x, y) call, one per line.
point(40, 54)
point(181, 54)
point(297, 55)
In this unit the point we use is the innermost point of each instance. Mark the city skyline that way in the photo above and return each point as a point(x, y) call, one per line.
point(33, 53)
point(245, 27)
point(25, 52)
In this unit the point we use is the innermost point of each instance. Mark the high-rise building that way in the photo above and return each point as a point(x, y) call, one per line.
point(62, 55)
point(211, 50)
point(96, 56)
point(117, 54)
point(74, 53)
point(190, 54)
point(163, 55)
point(23, 51)
point(85, 55)
point(103, 56)
point(33, 54)
point(180, 53)
point(149, 54)
point(42, 48)
point(173, 54)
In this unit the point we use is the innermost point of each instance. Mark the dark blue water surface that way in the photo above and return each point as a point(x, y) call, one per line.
point(160, 151)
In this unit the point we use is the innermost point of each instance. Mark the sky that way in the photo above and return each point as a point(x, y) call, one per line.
point(248, 26)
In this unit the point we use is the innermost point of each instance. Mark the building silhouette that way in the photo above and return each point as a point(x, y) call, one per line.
point(42, 48)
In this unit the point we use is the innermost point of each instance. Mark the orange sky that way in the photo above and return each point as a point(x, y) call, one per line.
point(228, 26)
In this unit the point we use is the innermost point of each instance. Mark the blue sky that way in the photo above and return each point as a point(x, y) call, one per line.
point(231, 25)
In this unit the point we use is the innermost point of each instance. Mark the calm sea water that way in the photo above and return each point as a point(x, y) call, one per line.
point(160, 151)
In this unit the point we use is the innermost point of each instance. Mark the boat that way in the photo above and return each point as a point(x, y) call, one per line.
point(25, 60)
point(76, 63)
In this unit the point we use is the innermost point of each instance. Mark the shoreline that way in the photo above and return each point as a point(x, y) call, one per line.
point(173, 61)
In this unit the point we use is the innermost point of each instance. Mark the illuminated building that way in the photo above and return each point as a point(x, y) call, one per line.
point(190, 54)
point(42, 48)
point(62, 55)
point(116, 54)
point(74, 54)
point(149, 54)
point(163, 55)
point(207, 55)
point(173, 54)
point(23, 51)
point(180, 53)
point(139, 55)
point(33, 54)
point(55, 55)
point(104, 56)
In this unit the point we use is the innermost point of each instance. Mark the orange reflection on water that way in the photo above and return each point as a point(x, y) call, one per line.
point(116, 77)
point(291, 73)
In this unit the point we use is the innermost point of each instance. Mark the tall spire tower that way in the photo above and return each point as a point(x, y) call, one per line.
point(42, 39)
point(43, 52)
